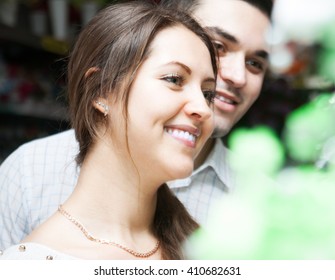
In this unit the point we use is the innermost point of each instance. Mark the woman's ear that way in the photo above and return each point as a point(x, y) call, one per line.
point(101, 105)
point(90, 71)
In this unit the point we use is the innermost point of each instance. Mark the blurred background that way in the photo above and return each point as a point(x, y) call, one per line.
point(35, 36)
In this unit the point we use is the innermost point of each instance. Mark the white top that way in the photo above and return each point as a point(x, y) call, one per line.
point(33, 251)
point(40, 175)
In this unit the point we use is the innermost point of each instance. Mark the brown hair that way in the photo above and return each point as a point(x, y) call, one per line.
point(189, 6)
point(117, 41)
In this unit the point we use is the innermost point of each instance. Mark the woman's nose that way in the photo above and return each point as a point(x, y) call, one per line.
point(198, 108)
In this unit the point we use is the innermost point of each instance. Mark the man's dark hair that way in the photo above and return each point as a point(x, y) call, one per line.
point(190, 5)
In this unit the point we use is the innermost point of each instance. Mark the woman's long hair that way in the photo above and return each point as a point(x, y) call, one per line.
point(117, 41)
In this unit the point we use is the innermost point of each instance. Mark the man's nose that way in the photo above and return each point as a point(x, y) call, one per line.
point(232, 70)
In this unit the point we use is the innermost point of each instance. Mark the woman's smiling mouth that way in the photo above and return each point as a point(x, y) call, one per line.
point(187, 135)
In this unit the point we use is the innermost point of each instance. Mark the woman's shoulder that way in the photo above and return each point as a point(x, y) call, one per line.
point(33, 251)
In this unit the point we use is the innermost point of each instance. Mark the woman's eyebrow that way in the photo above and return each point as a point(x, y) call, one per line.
point(186, 68)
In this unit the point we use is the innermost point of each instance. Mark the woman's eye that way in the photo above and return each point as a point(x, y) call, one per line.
point(221, 48)
point(174, 79)
point(209, 96)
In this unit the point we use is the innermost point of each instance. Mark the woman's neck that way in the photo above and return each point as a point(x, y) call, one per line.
point(110, 199)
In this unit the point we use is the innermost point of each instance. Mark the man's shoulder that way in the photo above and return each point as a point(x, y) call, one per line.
point(60, 145)
point(62, 138)
point(53, 144)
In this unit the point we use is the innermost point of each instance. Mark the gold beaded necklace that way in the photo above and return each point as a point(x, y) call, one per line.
point(105, 241)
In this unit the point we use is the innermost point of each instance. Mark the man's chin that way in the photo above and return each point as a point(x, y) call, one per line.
point(219, 132)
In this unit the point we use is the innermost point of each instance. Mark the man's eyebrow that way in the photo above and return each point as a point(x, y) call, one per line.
point(222, 33)
point(262, 54)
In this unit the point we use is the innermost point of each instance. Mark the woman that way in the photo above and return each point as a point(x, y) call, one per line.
point(141, 80)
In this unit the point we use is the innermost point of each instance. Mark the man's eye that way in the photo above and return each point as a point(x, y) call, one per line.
point(255, 66)
point(209, 96)
point(221, 48)
point(174, 79)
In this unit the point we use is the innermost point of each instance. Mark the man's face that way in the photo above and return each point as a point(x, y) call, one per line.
point(238, 31)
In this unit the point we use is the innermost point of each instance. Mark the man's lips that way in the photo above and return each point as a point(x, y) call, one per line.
point(226, 102)
point(224, 99)
point(227, 98)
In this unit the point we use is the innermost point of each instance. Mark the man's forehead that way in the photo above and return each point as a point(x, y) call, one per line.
point(236, 18)
point(213, 12)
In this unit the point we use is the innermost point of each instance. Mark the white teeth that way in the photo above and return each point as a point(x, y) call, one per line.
point(223, 99)
point(175, 133)
point(181, 134)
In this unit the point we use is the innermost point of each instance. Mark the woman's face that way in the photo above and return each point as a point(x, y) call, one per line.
point(169, 117)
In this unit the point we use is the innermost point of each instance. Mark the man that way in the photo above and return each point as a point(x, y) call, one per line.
point(41, 174)
point(238, 29)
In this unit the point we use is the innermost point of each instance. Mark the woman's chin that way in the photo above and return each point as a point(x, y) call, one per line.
point(185, 172)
